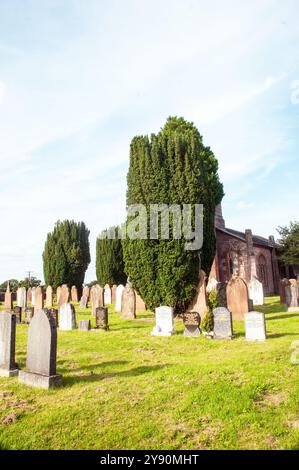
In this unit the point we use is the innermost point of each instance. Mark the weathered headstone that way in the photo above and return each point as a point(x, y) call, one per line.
point(192, 323)
point(86, 291)
point(58, 294)
point(39, 299)
point(119, 293)
point(128, 303)
point(237, 297)
point(164, 322)
point(84, 325)
point(83, 302)
point(102, 318)
point(74, 294)
point(107, 295)
point(212, 284)
point(64, 296)
point(282, 290)
point(67, 317)
point(29, 312)
point(29, 296)
point(33, 290)
point(140, 305)
point(223, 325)
point(8, 366)
point(18, 313)
point(21, 298)
point(96, 298)
point(255, 326)
point(49, 297)
point(292, 296)
point(8, 298)
point(256, 291)
point(53, 312)
point(41, 353)
point(199, 303)
point(113, 294)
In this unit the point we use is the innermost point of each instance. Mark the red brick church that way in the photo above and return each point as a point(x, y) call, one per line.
point(246, 254)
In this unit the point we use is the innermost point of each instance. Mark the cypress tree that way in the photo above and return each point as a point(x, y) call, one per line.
point(173, 167)
point(109, 259)
point(66, 254)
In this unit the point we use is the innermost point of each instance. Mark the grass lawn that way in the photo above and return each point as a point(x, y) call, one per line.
point(125, 389)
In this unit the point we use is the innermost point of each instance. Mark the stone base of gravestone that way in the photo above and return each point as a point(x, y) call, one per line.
point(84, 325)
point(40, 381)
point(192, 322)
point(191, 331)
point(9, 373)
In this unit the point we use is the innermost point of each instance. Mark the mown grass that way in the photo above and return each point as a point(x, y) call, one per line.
point(125, 389)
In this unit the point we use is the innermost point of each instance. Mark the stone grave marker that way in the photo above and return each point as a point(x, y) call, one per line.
point(84, 325)
point(223, 325)
point(221, 294)
point(53, 312)
point(8, 366)
point(49, 297)
point(96, 298)
point(67, 317)
point(164, 322)
point(22, 298)
point(128, 303)
point(140, 305)
point(237, 297)
point(86, 292)
point(119, 293)
point(107, 295)
point(41, 353)
point(18, 313)
point(8, 298)
point(29, 312)
point(256, 291)
point(33, 291)
point(283, 283)
point(113, 294)
point(192, 323)
point(292, 296)
point(212, 284)
point(83, 302)
point(102, 318)
point(39, 299)
point(29, 296)
point(74, 294)
point(64, 296)
point(255, 326)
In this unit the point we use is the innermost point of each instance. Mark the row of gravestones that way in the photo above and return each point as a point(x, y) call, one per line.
point(255, 325)
point(289, 294)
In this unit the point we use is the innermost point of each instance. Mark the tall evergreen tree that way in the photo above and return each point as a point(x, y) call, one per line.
point(66, 255)
point(173, 167)
point(109, 259)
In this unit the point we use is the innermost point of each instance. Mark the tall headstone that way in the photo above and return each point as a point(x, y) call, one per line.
point(67, 317)
point(22, 298)
point(199, 303)
point(256, 291)
point(237, 297)
point(49, 297)
point(223, 324)
point(140, 305)
point(292, 295)
point(53, 312)
point(102, 318)
point(29, 312)
point(33, 291)
point(212, 284)
point(29, 296)
point(58, 294)
point(128, 303)
point(18, 313)
point(84, 325)
point(282, 290)
point(86, 291)
point(74, 294)
point(221, 294)
point(107, 295)
point(113, 294)
point(255, 326)
point(64, 296)
point(41, 353)
point(39, 299)
point(96, 298)
point(8, 366)
point(164, 322)
point(83, 302)
point(119, 293)
point(192, 323)
point(8, 298)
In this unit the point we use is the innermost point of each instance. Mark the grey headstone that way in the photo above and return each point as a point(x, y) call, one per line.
point(29, 312)
point(255, 326)
point(18, 313)
point(192, 323)
point(67, 320)
point(84, 325)
point(102, 318)
point(41, 353)
point(223, 325)
point(8, 366)
point(83, 301)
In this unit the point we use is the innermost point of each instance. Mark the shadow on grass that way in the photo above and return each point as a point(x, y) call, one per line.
point(91, 377)
point(283, 317)
point(280, 335)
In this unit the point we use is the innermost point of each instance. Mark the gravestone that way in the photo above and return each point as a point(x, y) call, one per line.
point(102, 318)
point(8, 366)
point(128, 303)
point(96, 298)
point(223, 325)
point(292, 296)
point(29, 312)
point(86, 291)
point(67, 317)
point(33, 290)
point(22, 298)
point(256, 291)
point(237, 297)
point(83, 302)
point(107, 295)
point(119, 293)
point(255, 326)
point(58, 294)
point(49, 297)
point(39, 299)
point(41, 353)
point(8, 298)
point(84, 325)
point(192, 323)
point(74, 294)
point(164, 322)
point(199, 303)
point(113, 294)
point(212, 284)
point(140, 305)
point(53, 312)
point(221, 294)
point(29, 296)
point(64, 296)
point(18, 313)
point(283, 283)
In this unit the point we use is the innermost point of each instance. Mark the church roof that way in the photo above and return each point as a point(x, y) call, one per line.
point(257, 240)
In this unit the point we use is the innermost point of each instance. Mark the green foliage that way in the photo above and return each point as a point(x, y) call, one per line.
point(66, 255)
point(32, 282)
point(289, 244)
point(207, 323)
point(13, 285)
point(173, 167)
point(109, 259)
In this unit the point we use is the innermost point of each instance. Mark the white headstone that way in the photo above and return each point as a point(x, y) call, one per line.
point(67, 320)
point(119, 292)
point(164, 322)
point(33, 296)
point(21, 297)
point(212, 284)
point(256, 291)
point(107, 295)
point(255, 326)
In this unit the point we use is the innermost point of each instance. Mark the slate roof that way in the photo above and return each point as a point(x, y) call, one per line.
point(257, 240)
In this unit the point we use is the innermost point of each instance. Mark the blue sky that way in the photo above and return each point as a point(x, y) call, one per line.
point(78, 79)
